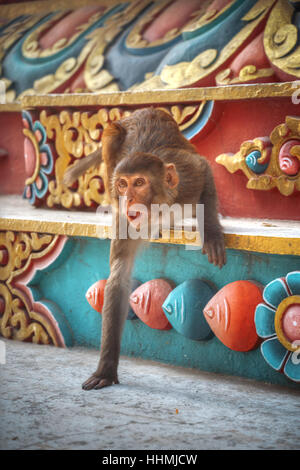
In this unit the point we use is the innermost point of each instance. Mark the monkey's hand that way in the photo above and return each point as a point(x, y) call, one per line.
point(214, 248)
point(96, 382)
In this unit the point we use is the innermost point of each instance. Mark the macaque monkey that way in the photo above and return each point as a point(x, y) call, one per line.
point(149, 161)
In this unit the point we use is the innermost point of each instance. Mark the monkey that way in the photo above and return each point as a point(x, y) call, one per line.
point(149, 161)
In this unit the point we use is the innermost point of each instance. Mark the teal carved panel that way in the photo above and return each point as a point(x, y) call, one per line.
point(87, 260)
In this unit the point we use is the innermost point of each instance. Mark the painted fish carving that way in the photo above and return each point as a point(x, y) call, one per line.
point(222, 313)
point(95, 296)
point(184, 308)
point(146, 301)
point(230, 314)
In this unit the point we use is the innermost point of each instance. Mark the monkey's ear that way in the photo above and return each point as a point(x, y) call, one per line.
point(171, 176)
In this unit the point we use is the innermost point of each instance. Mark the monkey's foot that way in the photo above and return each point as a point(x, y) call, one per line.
point(95, 382)
point(215, 251)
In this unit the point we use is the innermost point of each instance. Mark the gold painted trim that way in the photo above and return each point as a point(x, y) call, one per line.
point(246, 74)
point(255, 243)
point(15, 107)
point(44, 6)
point(234, 92)
point(261, 244)
point(31, 137)
point(60, 228)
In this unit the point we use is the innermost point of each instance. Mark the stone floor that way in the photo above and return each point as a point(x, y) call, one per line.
point(156, 407)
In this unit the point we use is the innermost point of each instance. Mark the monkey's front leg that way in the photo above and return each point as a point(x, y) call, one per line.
point(115, 309)
point(214, 244)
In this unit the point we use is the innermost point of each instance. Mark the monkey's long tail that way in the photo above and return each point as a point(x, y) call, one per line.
point(76, 170)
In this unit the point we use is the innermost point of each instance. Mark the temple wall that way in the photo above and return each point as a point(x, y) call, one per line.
point(227, 71)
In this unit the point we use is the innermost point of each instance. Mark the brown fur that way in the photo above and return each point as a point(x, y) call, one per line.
point(148, 142)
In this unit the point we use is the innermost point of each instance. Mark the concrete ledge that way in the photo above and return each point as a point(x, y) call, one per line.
point(263, 236)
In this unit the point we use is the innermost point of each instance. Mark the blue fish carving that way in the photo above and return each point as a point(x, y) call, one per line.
point(184, 308)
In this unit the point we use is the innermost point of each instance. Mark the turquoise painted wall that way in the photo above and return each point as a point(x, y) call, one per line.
point(86, 260)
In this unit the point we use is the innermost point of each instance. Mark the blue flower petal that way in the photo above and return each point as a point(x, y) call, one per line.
point(293, 281)
point(275, 292)
point(41, 192)
point(49, 166)
point(32, 196)
point(38, 126)
point(26, 115)
point(274, 353)
point(264, 321)
point(292, 367)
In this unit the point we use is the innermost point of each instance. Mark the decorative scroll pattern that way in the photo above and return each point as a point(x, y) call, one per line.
point(31, 47)
point(249, 73)
point(209, 60)
point(11, 34)
point(187, 55)
point(91, 56)
point(281, 39)
point(60, 139)
point(135, 38)
point(20, 317)
point(270, 163)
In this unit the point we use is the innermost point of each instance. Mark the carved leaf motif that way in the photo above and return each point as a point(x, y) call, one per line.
point(77, 134)
point(19, 319)
point(281, 39)
point(281, 139)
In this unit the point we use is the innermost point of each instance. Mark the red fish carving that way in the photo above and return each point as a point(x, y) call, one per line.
point(146, 302)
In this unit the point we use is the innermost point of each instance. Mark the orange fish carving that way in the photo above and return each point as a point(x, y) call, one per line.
point(95, 295)
point(230, 314)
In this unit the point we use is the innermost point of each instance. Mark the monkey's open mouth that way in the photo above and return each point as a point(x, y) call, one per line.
point(133, 215)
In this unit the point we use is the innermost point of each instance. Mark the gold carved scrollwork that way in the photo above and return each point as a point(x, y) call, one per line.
point(135, 38)
point(185, 74)
point(246, 74)
point(18, 319)
point(9, 36)
point(76, 135)
point(273, 175)
point(185, 116)
point(91, 57)
point(97, 78)
point(281, 39)
point(31, 48)
point(205, 15)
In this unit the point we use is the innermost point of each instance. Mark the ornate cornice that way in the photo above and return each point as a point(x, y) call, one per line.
point(273, 237)
point(233, 92)
point(44, 6)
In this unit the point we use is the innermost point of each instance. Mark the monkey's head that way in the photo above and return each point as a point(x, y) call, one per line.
point(143, 179)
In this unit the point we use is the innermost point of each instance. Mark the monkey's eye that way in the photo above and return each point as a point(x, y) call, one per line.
point(122, 184)
point(140, 182)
